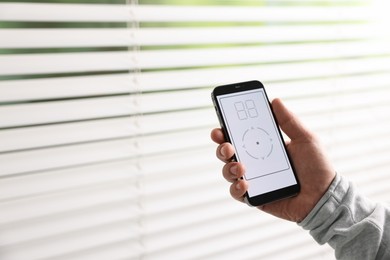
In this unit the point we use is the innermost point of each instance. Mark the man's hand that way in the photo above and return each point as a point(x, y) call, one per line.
point(314, 171)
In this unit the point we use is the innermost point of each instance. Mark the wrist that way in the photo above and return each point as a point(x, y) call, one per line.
point(318, 204)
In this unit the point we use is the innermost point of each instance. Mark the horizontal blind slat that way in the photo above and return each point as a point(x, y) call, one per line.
point(48, 112)
point(64, 157)
point(41, 136)
point(338, 103)
point(159, 166)
point(68, 87)
point(55, 38)
point(116, 61)
point(54, 204)
point(328, 86)
point(225, 228)
point(14, 139)
point(64, 12)
point(31, 230)
point(70, 156)
point(268, 72)
point(263, 54)
point(118, 250)
point(245, 14)
point(66, 62)
point(118, 106)
point(347, 165)
point(41, 113)
point(155, 13)
point(82, 240)
point(64, 180)
point(156, 167)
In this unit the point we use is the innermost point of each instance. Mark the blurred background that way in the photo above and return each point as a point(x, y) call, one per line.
point(105, 115)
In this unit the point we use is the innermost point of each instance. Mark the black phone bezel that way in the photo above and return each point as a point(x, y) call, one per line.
point(275, 195)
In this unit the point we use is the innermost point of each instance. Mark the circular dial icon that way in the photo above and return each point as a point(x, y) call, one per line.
point(257, 143)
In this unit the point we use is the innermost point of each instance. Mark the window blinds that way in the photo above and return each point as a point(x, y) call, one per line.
point(105, 119)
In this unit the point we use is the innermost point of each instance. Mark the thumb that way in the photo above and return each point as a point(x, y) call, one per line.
point(288, 122)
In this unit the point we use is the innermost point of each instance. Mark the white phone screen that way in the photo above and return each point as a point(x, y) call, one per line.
point(257, 142)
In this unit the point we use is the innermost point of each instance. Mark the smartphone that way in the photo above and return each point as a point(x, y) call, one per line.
point(248, 123)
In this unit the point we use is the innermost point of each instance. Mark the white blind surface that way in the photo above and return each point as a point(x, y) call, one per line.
point(151, 13)
point(105, 115)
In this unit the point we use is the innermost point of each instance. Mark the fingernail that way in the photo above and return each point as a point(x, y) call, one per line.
point(223, 151)
point(233, 170)
point(238, 185)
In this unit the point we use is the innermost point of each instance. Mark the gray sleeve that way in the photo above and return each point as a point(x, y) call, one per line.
point(351, 224)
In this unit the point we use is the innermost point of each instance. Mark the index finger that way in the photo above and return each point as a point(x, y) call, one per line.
point(217, 136)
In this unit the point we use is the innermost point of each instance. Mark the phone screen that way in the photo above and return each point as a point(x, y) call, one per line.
point(252, 130)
